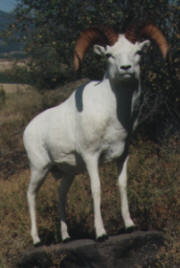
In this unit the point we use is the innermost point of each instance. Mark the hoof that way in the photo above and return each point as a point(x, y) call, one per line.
point(66, 240)
point(38, 244)
point(131, 229)
point(102, 238)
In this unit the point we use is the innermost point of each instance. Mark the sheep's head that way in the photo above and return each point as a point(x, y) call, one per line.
point(123, 57)
point(123, 51)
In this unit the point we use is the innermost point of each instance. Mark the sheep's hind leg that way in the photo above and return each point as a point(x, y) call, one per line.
point(63, 190)
point(122, 182)
point(36, 179)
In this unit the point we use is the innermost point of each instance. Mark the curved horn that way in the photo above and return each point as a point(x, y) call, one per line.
point(154, 33)
point(103, 35)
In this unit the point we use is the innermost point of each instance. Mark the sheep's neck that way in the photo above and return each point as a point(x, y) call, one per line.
point(127, 93)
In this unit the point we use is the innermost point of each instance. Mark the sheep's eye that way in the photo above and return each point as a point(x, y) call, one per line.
point(108, 55)
point(139, 52)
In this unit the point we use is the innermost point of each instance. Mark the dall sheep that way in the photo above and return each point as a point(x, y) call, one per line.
point(94, 124)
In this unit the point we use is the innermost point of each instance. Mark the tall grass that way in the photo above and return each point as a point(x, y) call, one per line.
point(154, 189)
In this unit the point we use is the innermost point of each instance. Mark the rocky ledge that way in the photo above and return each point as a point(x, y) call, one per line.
point(125, 251)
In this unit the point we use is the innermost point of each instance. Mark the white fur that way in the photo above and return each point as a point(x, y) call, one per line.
point(93, 125)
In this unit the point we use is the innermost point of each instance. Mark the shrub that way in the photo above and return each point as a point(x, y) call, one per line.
point(2, 96)
point(46, 70)
point(16, 74)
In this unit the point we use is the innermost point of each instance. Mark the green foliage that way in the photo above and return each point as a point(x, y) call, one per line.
point(47, 71)
point(57, 24)
point(17, 74)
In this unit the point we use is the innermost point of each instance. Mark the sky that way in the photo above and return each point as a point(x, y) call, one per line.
point(7, 5)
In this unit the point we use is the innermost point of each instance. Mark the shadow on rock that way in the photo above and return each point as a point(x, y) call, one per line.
point(125, 251)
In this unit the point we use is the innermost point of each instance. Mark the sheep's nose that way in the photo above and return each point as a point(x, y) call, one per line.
point(125, 67)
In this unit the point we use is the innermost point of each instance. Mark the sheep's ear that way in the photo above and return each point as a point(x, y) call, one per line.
point(144, 45)
point(100, 50)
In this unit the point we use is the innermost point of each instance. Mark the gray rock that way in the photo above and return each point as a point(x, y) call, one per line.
point(124, 251)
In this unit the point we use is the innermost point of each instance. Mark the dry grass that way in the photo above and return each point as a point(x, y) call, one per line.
point(154, 199)
point(154, 189)
point(6, 64)
point(14, 88)
point(15, 112)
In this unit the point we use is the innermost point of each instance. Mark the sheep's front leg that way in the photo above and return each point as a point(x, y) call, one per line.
point(122, 182)
point(92, 167)
point(63, 190)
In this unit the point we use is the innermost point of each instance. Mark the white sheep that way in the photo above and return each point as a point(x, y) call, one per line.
point(93, 125)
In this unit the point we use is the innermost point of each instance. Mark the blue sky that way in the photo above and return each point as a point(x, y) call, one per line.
point(7, 5)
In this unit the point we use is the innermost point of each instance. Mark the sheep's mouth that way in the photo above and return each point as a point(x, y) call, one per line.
point(126, 75)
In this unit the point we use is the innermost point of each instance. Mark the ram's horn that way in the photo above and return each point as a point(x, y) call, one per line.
point(154, 33)
point(135, 32)
point(102, 35)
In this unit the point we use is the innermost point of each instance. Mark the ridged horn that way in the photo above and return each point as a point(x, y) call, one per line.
point(102, 35)
point(134, 32)
point(154, 33)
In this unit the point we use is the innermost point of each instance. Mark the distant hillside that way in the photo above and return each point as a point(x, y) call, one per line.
point(8, 46)
point(6, 19)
